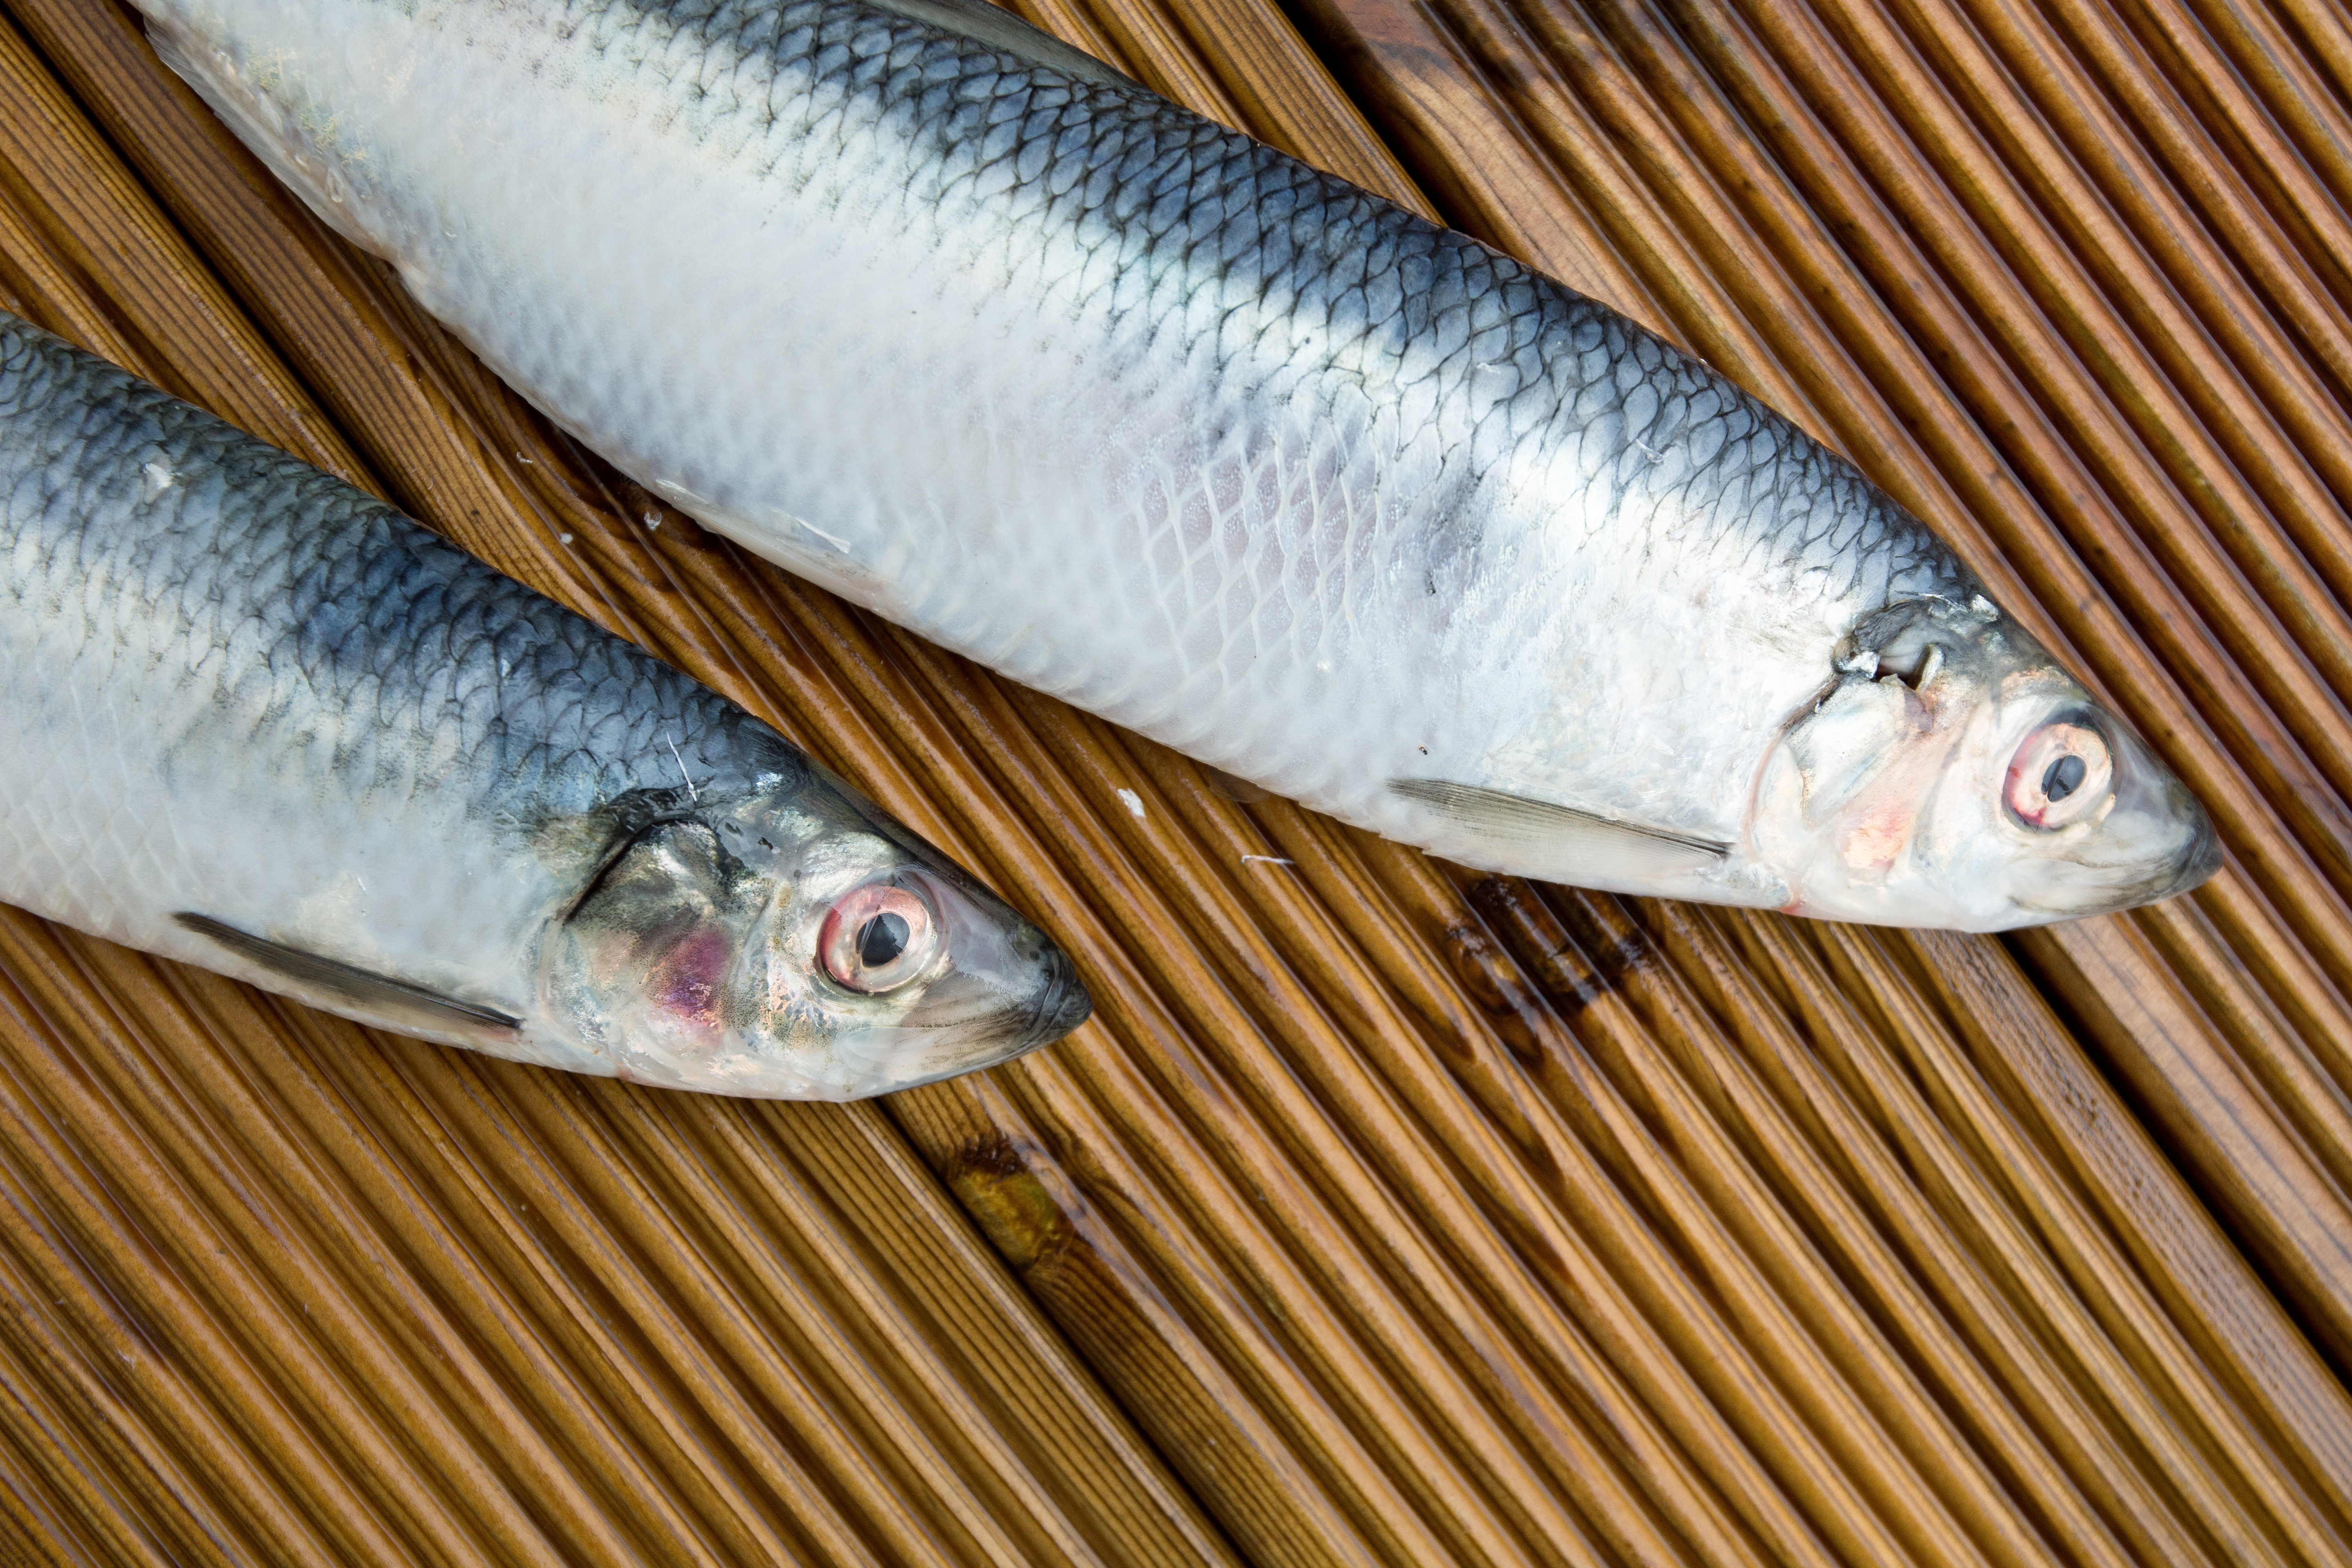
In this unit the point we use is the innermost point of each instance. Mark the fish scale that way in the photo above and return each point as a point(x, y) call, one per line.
point(247, 703)
point(252, 604)
point(967, 327)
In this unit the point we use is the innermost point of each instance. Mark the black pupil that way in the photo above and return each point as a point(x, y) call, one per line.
point(2064, 777)
point(882, 939)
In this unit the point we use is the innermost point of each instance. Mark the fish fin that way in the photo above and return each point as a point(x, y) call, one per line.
point(1000, 29)
point(1601, 846)
point(335, 982)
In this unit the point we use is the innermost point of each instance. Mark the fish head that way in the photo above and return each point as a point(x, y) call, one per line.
point(1955, 776)
point(795, 942)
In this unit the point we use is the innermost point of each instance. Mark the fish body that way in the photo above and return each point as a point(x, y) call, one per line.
point(260, 722)
point(977, 334)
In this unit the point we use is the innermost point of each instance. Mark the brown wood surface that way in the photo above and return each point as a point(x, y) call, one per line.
point(1385, 1213)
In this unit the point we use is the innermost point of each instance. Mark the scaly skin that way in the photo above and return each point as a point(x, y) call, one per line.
point(239, 688)
point(1125, 404)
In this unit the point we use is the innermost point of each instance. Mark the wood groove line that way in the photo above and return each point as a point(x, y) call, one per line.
point(550, 1479)
point(1384, 1214)
point(2051, 1394)
point(1827, 127)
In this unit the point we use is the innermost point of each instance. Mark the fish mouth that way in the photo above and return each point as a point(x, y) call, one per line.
point(1063, 1004)
point(2199, 861)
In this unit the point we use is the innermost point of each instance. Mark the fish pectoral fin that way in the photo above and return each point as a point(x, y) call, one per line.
point(335, 984)
point(1000, 29)
point(1604, 847)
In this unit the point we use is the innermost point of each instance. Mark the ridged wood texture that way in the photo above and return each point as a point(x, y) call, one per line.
point(1384, 1214)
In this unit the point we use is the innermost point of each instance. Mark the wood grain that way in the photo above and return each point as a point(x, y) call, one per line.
point(1893, 171)
point(1385, 1213)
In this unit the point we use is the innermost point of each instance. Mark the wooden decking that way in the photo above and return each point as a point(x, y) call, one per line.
point(1385, 1213)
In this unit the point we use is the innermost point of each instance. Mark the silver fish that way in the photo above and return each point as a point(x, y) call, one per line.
point(259, 721)
point(962, 325)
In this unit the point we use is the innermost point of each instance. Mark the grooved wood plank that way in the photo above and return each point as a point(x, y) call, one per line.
point(1385, 1213)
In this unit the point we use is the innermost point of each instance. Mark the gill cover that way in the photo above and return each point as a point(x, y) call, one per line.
point(1953, 775)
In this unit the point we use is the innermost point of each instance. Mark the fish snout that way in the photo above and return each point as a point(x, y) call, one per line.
point(1004, 990)
point(1063, 1004)
point(2154, 842)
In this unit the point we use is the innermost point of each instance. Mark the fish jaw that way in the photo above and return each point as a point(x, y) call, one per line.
point(1905, 795)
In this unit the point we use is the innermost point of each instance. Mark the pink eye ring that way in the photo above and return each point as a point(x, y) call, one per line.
point(2061, 774)
point(877, 938)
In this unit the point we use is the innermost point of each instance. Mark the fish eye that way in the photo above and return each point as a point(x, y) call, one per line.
point(884, 937)
point(2060, 774)
point(877, 938)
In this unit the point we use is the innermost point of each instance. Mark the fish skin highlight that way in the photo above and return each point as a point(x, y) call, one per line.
point(1140, 412)
point(261, 722)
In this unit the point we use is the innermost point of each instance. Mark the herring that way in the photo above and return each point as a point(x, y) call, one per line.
point(259, 721)
point(959, 324)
